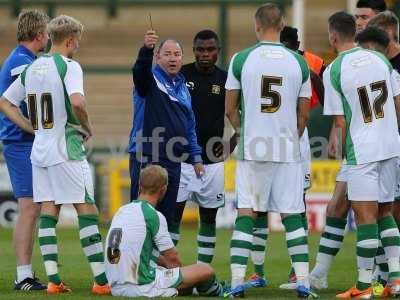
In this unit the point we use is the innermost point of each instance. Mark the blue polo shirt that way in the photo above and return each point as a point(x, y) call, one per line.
point(12, 67)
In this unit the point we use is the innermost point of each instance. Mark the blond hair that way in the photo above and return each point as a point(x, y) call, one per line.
point(63, 27)
point(269, 16)
point(30, 24)
point(152, 179)
point(386, 20)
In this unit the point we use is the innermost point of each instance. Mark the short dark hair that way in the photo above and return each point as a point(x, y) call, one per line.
point(206, 34)
point(289, 34)
point(373, 34)
point(344, 24)
point(376, 5)
point(269, 15)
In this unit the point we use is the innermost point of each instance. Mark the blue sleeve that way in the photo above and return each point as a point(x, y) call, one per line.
point(17, 66)
point(193, 148)
point(141, 71)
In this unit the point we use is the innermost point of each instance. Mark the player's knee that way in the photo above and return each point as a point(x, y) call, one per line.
point(338, 207)
point(29, 210)
point(86, 209)
point(246, 212)
point(385, 210)
point(207, 271)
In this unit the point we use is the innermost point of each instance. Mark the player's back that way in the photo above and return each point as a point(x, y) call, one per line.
point(130, 232)
point(272, 78)
point(366, 84)
point(48, 81)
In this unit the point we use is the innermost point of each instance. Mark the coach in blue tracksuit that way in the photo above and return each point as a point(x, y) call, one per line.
point(32, 38)
point(164, 125)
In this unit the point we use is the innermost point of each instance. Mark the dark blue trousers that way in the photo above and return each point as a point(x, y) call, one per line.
point(168, 206)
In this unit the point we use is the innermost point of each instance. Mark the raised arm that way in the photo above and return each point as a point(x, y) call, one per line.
point(141, 70)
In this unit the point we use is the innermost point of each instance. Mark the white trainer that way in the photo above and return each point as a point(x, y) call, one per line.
point(318, 283)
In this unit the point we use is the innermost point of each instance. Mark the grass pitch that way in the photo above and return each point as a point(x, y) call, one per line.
point(75, 271)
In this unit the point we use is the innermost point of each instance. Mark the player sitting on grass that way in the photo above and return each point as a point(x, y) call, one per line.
point(52, 86)
point(141, 258)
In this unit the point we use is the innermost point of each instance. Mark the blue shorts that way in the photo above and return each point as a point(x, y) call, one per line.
point(17, 156)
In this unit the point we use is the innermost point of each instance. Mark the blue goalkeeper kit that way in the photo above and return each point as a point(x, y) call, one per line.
point(17, 144)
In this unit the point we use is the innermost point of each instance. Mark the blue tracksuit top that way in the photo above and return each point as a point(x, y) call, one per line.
point(162, 104)
point(12, 67)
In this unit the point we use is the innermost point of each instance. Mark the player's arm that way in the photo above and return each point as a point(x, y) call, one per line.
point(397, 105)
point(79, 107)
point(305, 93)
point(333, 106)
point(318, 85)
point(223, 150)
point(233, 87)
point(339, 126)
point(10, 102)
point(232, 109)
point(332, 143)
point(15, 115)
point(141, 71)
point(303, 114)
point(74, 85)
point(169, 259)
point(395, 83)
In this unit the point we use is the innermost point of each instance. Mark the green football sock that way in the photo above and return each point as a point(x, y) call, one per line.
point(241, 245)
point(48, 247)
point(174, 232)
point(259, 243)
point(206, 242)
point(92, 246)
point(367, 245)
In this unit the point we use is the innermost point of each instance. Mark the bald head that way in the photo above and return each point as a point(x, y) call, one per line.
point(153, 179)
point(269, 16)
point(170, 57)
point(168, 43)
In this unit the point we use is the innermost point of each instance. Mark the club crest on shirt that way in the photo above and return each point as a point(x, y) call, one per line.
point(215, 89)
point(169, 273)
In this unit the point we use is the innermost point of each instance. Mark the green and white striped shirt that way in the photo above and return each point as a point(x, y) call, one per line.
point(46, 85)
point(138, 231)
point(360, 85)
point(271, 79)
